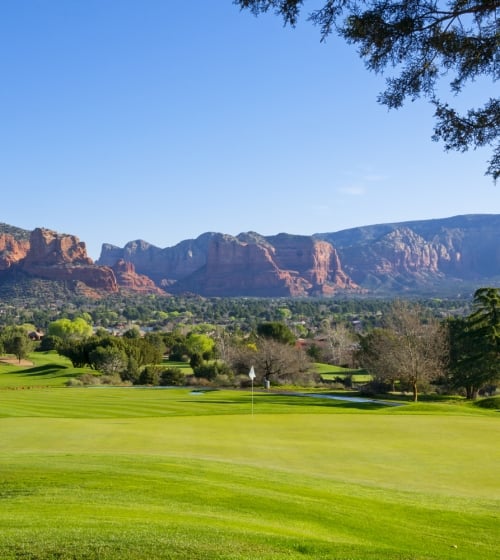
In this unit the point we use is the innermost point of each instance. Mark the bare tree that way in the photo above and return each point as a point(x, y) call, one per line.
point(378, 354)
point(279, 361)
point(411, 348)
point(340, 343)
point(271, 359)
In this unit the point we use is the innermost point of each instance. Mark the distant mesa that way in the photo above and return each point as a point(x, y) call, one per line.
point(419, 257)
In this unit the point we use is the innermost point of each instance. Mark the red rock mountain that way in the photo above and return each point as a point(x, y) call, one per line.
point(216, 264)
point(422, 255)
point(55, 256)
point(12, 250)
point(428, 256)
point(128, 279)
point(284, 265)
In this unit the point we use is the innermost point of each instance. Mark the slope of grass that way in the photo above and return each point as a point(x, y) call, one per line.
point(46, 369)
point(329, 372)
point(144, 473)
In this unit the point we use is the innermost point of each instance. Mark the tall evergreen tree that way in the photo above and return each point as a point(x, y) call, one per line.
point(475, 344)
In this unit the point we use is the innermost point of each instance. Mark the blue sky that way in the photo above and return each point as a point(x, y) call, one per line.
point(161, 120)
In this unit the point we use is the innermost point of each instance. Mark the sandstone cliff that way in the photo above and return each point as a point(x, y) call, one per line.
point(421, 254)
point(12, 250)
point(251, 265)
point(128, 279)
point(427, 256)
point(56, 256)
point(164, 266)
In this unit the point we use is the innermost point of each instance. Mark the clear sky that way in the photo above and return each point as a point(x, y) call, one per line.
point(163, 119)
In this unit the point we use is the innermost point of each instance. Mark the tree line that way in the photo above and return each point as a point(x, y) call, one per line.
point(409, 348)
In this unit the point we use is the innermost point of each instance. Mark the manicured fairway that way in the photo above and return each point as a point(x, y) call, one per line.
point(143, 473)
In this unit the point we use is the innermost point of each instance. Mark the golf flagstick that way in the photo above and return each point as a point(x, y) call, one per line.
point(252, 376)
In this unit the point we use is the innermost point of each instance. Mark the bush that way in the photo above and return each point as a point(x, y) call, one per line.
point(196, 361)
point(84, 380)
point(491, 403)
point(211, 371)
point(376, 387)
point(224, 380)
point(89, 379)
point(114, 379)
point(191, 380)
point(49, 342)
point(150, 375)
point(74, 382)
point(172, 376)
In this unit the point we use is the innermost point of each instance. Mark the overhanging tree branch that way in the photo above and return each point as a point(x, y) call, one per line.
point(422, 42)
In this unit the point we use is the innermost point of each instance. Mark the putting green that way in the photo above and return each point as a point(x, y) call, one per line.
point(200, 477)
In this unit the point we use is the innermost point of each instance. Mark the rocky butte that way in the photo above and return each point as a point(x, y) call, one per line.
point(12, 250)
point(438, 257)
point(250, 265)
point(56, 256)
point(425, 255)
point(62, 257)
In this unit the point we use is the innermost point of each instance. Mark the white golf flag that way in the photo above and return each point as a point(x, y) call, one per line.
point(251, 374)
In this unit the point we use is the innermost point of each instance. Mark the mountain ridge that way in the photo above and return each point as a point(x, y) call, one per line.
point(420, 256)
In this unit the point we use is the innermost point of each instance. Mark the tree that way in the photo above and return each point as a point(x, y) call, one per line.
point(422, 40)
point(21, 346)
point(340, 343)
point(276, 331)
point(16, 341)
point(212, 370)
point(412, 348)
point(133, 332)
point(378, 354)
point(475, 344)
point(275, 360)
point(200, 344)
point(110, 359)
point(67, 329)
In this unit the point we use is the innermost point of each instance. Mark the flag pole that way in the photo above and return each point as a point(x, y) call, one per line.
point(252, 376)
point(252, 396)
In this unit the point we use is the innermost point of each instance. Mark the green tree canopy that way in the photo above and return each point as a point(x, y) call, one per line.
point(475, 344)
point(276, 331)
point(67, 329)
point(421, 41)
point(15, 341)
point(200, 344)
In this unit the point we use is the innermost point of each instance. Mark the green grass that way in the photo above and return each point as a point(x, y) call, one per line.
point(490, 402)
point(108, 473)
point(183, 366)
point(328, 372)
point(49, 369)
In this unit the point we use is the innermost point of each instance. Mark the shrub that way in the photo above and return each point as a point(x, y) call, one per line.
point(224, 380)
point(150, 375)
point(74, 382)
point(376, 387)
point(114, 379)
point(211, 371)
point(89, 379)
point(491, 402)
point(172, 376)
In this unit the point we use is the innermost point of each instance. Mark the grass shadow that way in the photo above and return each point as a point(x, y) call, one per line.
point(327, 402)
point(47, 369)
point(273, 399)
